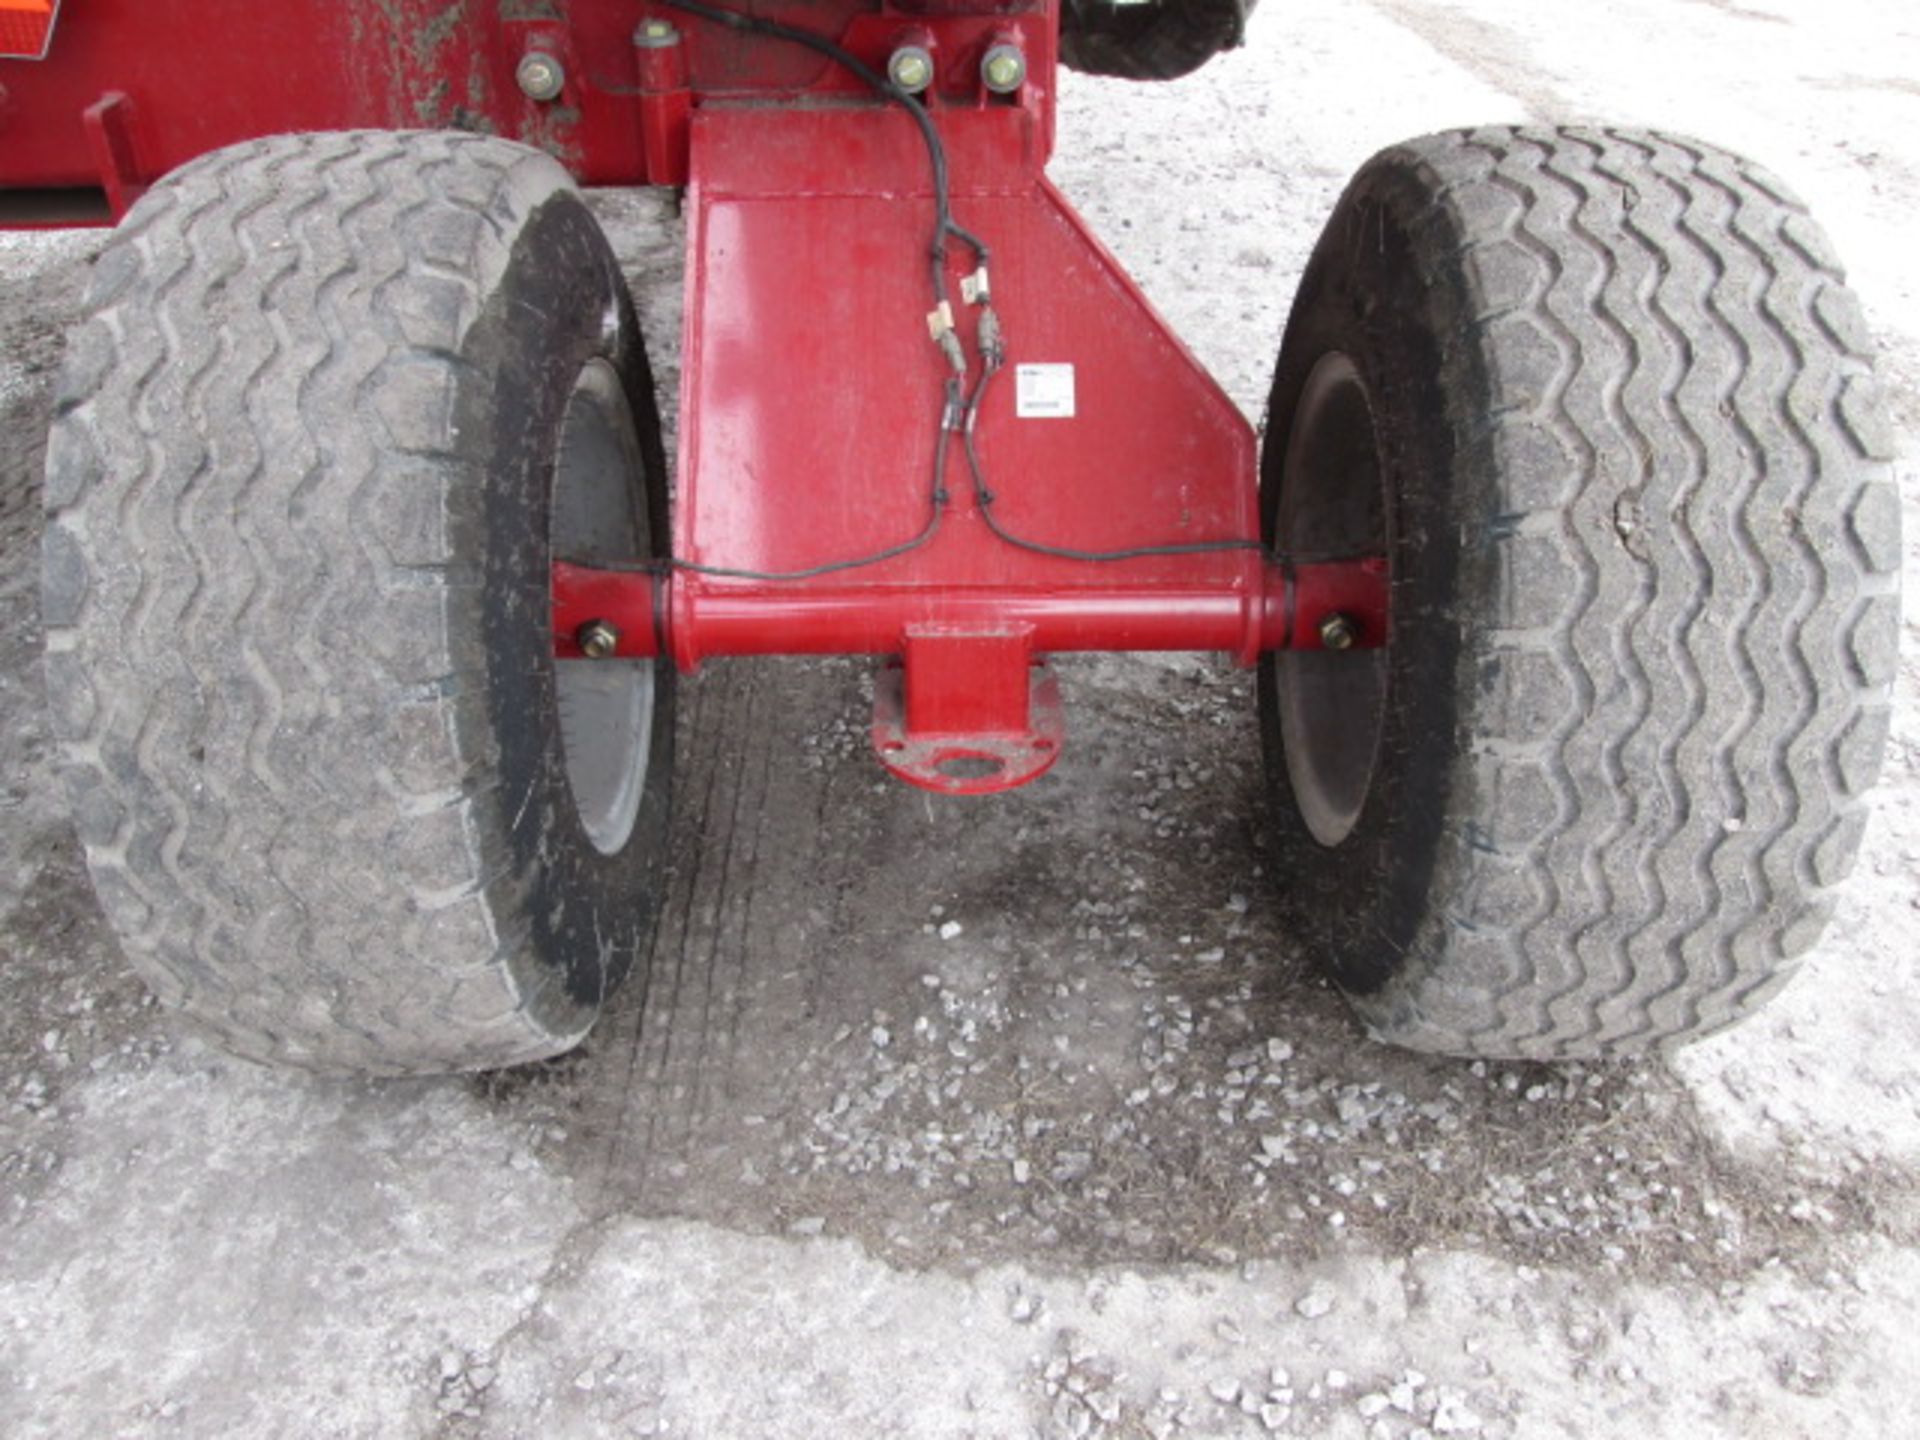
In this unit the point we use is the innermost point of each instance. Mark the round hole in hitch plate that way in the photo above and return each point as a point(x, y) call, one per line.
point(969, 767)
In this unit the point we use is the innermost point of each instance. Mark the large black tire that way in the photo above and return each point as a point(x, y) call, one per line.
point(304, 483)
point(1606, 404)
point(1149, 39)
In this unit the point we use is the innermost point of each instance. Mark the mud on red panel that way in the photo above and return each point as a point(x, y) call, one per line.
point(198, 76)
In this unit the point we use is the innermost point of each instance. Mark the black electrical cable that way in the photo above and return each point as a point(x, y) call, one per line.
point(985, 498)
point(944, 223)
point(939, 499)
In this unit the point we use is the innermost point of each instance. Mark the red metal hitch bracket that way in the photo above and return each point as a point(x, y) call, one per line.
point(968, 712)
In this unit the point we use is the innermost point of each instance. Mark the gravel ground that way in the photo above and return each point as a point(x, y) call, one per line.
point(1023, 1118)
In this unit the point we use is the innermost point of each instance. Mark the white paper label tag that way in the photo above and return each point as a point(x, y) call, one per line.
point(1043, 392)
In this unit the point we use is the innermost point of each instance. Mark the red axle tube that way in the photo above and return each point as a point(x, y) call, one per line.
point(650, 614)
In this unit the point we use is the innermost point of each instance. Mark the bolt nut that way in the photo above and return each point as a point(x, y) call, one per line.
point(656, 34)
point(1338, 632)
point(911, 68)
point(597, 640)
point(1003, 69)
point(541, 77)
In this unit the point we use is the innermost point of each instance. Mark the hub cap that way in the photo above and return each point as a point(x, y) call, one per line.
point(600, 516)
point(1332, 506)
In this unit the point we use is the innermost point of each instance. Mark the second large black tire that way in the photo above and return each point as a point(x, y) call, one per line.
point(339, 400)
point(1149, 39)
point(1604, 400)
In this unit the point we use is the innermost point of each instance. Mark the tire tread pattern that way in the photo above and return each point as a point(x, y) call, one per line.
point(1163, 40)
point(249, 577)
point(1686, 656)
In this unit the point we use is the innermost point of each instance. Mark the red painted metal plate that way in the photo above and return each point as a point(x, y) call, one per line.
point(208, 73)
point(812, 389)
point(200, 74)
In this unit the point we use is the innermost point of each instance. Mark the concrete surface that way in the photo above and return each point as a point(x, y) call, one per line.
point(1020, 1118)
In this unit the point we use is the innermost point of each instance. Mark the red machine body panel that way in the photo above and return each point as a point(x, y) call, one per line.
point(811, 394)
point(200, 75)
point(807, 347)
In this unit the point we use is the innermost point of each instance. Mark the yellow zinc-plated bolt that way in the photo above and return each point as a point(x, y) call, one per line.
point(1005, 69)
point(597, 639)
point(540, 76)
point(1337, 632)
point(911, 68)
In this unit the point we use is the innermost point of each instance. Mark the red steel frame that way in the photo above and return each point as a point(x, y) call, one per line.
point(810, 392)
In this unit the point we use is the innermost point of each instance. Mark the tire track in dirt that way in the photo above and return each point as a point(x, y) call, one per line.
point(1494, 56)
point(735, 959)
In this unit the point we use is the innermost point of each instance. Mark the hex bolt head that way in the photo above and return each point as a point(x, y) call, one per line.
point(911, 68)
point(1338, 632)
point(540, 76)
point(597, 640)
point(656, 33)
point(1003, 69)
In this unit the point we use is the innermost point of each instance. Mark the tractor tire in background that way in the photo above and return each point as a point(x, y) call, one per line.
point(339, 400)
point(1604, 399)
point(1149, 39)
